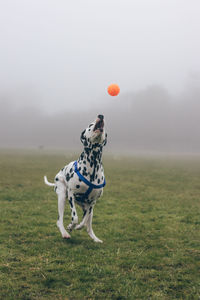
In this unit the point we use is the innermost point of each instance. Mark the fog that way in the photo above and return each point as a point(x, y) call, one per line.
point(57, 59)
point(149, 120)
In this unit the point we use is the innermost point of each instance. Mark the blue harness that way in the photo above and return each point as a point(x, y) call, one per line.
point(91, 185)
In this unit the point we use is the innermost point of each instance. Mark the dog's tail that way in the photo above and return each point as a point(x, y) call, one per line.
point(48, 183)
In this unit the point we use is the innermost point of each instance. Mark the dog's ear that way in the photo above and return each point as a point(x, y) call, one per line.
point(105, 141)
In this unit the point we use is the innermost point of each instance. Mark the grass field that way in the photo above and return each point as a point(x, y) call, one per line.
point(148, 218)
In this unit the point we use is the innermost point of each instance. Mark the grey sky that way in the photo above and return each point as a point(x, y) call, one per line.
point(61, 55)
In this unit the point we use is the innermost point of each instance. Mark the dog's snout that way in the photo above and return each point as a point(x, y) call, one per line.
point(101, 117)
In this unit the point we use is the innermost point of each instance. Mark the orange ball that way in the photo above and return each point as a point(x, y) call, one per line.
point(113, 89)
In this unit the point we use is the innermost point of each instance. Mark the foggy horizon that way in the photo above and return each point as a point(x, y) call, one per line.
point(150, 120)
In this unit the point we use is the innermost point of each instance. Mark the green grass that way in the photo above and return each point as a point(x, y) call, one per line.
point(148, 219)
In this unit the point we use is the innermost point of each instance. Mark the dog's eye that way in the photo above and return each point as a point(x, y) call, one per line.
point(90, 125)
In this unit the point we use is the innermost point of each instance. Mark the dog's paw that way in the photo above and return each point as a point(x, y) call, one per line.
point(63, 232)
point(96, 240)
point(79, 226)
point(70, 227)
point(66, 236)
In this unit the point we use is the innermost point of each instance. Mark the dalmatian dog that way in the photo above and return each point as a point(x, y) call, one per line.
point(82, 181)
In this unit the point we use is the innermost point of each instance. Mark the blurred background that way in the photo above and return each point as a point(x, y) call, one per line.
point(58, 57)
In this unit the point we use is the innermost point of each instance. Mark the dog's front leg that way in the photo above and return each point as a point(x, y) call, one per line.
point(74, 215)
point(89, 227)
point(85, 218)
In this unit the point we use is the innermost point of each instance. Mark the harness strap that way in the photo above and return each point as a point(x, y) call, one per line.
point(91, 185)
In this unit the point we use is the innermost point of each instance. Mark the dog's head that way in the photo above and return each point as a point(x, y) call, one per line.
point(95, 133)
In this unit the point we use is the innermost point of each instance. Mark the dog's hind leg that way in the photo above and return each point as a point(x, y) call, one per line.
point(61, 192)
point(89, 227)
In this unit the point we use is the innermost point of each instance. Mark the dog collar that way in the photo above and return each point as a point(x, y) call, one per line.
point(91, 185)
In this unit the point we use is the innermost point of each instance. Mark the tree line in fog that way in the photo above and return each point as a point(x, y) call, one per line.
point(149, 120)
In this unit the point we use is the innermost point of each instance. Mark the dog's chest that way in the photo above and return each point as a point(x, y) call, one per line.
point(94, 175)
